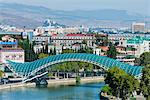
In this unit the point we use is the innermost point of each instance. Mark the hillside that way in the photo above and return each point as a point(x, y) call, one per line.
point(32, 16)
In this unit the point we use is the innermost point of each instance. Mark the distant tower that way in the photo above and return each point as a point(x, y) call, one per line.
point(24, 33)
point(138, 27)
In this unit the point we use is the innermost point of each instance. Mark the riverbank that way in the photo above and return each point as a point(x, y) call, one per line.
point(55, 82)
point(15, 85)
point(71, 81)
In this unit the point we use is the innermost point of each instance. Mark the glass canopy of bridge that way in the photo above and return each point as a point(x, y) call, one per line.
point(30, 68)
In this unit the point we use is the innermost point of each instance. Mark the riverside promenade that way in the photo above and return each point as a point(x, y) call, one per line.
point(54, 82)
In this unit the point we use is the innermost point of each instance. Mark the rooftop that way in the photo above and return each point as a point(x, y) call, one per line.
point(71, 34)
point(137, 40)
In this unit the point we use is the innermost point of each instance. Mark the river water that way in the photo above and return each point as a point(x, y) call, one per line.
point(70, 92)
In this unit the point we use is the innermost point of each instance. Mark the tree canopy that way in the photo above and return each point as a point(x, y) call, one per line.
point(68, 51)
point(145, 82)
point(1, 73)
point(42, 55)
point(122, 85)
point(112, 52)
point(28, 48)
point(144, 59)
point(73, 66)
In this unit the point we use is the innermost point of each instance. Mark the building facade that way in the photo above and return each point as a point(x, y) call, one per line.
point(70, 39)
point(140, 44)
point(138, 27)
point(12, 54)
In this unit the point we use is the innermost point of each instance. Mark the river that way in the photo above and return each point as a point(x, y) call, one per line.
point(70, 92)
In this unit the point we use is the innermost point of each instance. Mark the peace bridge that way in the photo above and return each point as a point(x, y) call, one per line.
point(29, 69)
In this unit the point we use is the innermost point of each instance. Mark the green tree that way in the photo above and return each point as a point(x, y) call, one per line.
point(106, 89)
point(68, 51)
point(85, 50)
point(84, 42)
point(121, 84)
point(102, 40)
point(28, 49)
point(1, 73)
point(112, 52)
point(54, 51)
point(144, 59)
point(42, 55)
point(145, 82)
point(46, 49)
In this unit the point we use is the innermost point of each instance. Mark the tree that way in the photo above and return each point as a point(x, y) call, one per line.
point(54, 51)
point(106, 89)
point(145, 82)
point(85, 50)
point(28, 49)
point(122, 85)
point(46, 49)
point(84, 42)
point(112, 52)
point(42, 55)
point(102, 40)
point(1, 73)
point(144, 59)
point(68, 51)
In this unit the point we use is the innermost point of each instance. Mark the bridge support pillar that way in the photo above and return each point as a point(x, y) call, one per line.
point(41, 82)
point(67, 75)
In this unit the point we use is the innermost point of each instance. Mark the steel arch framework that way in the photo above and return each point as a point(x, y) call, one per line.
point(30, 68)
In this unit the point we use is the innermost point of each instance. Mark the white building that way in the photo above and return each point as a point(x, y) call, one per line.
point(38, 48)
point(138, 27)
point(60, 30)
point(42, 39)
point(97, 51)
point(12, 54)
point(140, 44)
point(118, 37)
point(54, 48)
point(69, 39)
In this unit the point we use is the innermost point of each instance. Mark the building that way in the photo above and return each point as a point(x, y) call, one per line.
point(52, 27)
point(140, 44)
point(42, 39)
point(117, 37)
point(125, 55)
point(55, 49)
point(138, 27)
point(125, 36)
point(97, 51)
point(9, 50)
point(12, 54)
point(70, 39)
point(38, 48)
point(60, 30)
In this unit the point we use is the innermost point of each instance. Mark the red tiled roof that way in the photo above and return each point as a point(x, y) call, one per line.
point(76, 44)
point(104, 48)
point(79, 34)
point(71, 34)
point(54, 35)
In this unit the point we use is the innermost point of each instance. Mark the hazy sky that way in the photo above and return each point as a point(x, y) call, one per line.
point(138, 6)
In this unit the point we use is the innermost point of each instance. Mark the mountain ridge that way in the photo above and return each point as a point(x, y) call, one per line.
point(33, 16)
